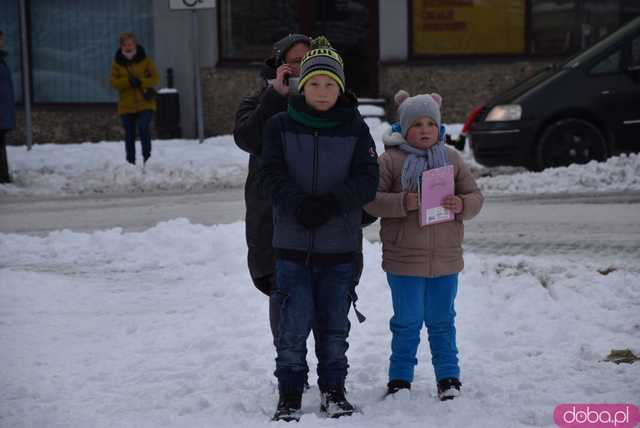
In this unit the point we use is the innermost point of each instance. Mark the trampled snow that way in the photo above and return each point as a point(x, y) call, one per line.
point(163, 328)
point(186, 165)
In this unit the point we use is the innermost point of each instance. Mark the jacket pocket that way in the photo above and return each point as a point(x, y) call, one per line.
point(448, 234)
point(411, 235)
point(389, 229)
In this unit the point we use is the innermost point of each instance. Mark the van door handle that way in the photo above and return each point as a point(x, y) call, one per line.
point(607, 92)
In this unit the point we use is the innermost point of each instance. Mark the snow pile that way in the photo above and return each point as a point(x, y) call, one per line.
point(71, 169)
point(184, 165)
point(620, 173)
point(163, 329)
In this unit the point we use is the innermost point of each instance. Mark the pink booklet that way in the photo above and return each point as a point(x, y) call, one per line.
point(435, 185)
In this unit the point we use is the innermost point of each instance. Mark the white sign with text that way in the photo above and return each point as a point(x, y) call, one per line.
point(191, 4)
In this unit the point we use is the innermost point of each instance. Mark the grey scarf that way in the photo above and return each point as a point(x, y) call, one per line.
point(418, 161)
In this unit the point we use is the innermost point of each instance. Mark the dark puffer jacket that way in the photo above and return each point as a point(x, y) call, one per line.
point(309, 152)
point(251, 118)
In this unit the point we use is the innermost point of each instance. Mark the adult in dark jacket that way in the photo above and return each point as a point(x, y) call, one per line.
point(252, 115)
point(7, 111)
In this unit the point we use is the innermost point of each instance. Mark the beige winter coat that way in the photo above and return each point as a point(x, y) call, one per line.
point(407, 248)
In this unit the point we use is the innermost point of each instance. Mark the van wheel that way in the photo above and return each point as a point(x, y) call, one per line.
point(570, 141)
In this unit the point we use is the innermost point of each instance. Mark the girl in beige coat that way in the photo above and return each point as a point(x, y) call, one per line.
point(422, 263)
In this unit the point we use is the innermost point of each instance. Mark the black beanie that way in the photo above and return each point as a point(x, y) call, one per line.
point(281, 47)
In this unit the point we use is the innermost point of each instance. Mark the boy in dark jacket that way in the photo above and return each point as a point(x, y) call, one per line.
point(319, 166)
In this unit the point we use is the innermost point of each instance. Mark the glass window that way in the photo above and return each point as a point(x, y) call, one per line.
point(629, 9)
point(73, 43)
point(467, 27)
point(599, 18)
point(634, 61)
point(562, 27)
point(553, 24)
point(10, 26)
point(249, 31)
point(610, 64)
point(346, 25)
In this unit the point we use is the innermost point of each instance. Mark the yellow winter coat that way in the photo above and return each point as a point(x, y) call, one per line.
point(130, 99)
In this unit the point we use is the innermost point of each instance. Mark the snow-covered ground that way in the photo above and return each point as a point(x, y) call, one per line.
point(163, 328)
point(185, 165)
point(160, 326)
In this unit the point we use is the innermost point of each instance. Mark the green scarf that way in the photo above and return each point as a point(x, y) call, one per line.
point(311, 120)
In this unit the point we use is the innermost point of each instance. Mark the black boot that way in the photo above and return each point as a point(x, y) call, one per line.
point(289, 406)
point(448, 388)
point(396, 385)
point(333, 402)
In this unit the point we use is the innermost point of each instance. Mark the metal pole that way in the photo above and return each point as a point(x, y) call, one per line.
point(26, 76)
point(198, 88)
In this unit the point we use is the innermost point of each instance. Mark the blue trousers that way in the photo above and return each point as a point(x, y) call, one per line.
point(418, 300)
point(312, 296)
point(141, 122)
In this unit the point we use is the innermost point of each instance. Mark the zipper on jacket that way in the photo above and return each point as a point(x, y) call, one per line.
point(314, 189)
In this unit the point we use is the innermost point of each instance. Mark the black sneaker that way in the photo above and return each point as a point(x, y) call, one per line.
point(334, 404)
point(448, 388)
point(396, 385)
point(288, 408)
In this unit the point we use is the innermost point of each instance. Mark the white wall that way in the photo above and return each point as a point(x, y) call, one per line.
point(394, 23)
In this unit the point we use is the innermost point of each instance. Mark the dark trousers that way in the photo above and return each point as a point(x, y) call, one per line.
point(140, 122)
point(267, 285)
point(312, 296)
point(4, 164)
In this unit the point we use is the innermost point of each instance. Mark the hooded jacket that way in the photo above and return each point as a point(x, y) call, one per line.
point(130, 99)
point(309, 152)
point(407, 248)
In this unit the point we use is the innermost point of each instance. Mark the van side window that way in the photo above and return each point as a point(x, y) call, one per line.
point(635, 53)
point(610, 64)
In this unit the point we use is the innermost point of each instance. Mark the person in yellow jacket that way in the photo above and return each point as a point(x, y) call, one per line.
point(134, 75)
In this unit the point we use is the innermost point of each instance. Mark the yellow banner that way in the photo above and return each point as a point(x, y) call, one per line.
point(462, 27)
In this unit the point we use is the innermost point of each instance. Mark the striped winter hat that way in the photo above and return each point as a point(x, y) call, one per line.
point(322, 59)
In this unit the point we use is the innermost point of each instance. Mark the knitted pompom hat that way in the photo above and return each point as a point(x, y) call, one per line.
point(322, 59)
point(413, 108)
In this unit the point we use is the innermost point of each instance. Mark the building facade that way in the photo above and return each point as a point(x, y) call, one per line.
point(467, 50)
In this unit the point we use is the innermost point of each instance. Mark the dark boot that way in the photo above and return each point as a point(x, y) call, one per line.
point(396, 385)
point(448, 388)
point(334, 403)
point(289, 406)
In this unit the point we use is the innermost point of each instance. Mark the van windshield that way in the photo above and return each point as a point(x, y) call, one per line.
point(596, 50)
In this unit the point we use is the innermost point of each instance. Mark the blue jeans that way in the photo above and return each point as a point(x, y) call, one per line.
point(141, 121)
point(312, 296)
point(418, 300)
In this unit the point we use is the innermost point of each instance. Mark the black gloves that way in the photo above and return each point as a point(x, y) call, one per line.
point(316, 210)
point(134, 81)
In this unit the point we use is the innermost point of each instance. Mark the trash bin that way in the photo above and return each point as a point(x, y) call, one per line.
point(167, 118)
